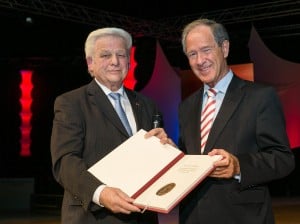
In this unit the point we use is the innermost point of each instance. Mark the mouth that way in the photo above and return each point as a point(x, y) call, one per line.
point(114, 71)
point(205, 69)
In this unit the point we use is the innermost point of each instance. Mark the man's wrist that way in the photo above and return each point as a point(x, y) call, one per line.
point(96, 196)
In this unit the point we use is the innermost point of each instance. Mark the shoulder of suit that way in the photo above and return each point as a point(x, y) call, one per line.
point(136, 95)
point(193, 97)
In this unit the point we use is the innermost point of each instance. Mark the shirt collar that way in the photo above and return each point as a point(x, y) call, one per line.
point(108, 91)
point(223, 84)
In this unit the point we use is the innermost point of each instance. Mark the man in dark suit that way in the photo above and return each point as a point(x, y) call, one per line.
point(86, 127)
point(248, 130)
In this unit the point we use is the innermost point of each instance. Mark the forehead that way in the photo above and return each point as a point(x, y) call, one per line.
point(110, 42)
point(201, 34)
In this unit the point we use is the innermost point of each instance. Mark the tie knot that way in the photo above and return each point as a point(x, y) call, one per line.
point(115, 96)
point(212, 92)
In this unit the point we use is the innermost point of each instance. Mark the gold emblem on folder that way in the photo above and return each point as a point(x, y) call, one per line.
point(165, 189)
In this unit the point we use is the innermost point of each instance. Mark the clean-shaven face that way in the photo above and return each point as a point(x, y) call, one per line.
point(110, 61)
point(206, 58)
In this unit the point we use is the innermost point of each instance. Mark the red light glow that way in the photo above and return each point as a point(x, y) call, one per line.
point(25, 114)
point(130, 81)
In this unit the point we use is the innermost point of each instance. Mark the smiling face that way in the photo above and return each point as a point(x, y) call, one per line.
point(110, 61)
point(206, 58)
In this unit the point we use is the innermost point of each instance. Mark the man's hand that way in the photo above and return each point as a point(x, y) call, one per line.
point(227, 167)
point(161, 134)
point(117, 201)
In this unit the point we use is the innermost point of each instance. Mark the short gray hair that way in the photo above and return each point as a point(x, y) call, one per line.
point(94, 35)
point(219, 31)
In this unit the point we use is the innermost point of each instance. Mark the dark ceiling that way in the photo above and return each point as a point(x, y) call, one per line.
point(41, 29)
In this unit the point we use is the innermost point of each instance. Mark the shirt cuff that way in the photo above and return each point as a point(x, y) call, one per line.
point(237, 177)
point(97, 193)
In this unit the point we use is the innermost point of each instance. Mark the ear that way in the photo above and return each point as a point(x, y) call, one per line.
point(89, 60)
point(225, 48)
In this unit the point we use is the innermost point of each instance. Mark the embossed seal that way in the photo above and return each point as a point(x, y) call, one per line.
point(165, 189)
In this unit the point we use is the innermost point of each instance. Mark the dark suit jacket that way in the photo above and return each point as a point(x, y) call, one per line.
point(250, 125)
point(86, 128)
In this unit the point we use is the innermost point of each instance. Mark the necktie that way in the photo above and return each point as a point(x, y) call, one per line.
point(207, 116)
point(120, 111)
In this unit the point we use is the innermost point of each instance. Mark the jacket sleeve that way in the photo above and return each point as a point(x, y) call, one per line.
point(274, 158)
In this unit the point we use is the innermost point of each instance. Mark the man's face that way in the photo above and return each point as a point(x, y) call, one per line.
point(206, 58)
point(110, 61)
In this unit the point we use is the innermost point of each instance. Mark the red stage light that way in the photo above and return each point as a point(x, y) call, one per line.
point(25, 114)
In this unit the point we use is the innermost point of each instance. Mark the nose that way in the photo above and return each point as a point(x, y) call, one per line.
point(200, 58)
point(114, 59)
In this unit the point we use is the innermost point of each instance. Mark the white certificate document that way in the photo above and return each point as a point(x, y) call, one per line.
point(157, 176)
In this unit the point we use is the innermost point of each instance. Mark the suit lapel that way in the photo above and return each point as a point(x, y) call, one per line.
point(230, 103)
point(100, 100)
point(190, 115)
point(136, 107)
point(196, 116)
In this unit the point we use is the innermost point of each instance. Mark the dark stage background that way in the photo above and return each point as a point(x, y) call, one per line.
point(52, 47)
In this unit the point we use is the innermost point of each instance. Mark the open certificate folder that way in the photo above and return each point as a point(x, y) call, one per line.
point(157, 176)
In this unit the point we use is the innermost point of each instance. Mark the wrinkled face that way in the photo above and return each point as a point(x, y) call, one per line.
point(206, 58)
point(110, 61)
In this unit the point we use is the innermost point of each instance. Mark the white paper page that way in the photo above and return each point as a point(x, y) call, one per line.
point(134, 163)
point(179, 179)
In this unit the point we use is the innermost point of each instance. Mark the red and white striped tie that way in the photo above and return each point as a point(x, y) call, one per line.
point(207, 116)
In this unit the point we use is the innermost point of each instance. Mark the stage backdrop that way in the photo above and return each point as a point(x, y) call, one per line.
point(284, 76)
point(164, 87)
